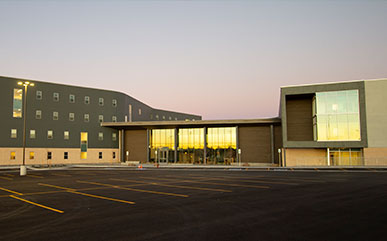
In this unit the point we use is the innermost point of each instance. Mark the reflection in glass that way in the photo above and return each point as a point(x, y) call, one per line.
point(162, 145)
point(17, 103)
point(221, 145)
point(337, 117)
point(346, 157)
point(191, 146)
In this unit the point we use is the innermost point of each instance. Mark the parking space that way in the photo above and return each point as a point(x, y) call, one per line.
point(153, 204)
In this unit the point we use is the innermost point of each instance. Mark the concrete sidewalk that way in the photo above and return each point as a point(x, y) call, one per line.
point(201, 167)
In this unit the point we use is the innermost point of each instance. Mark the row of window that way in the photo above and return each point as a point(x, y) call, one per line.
point(163, 117)
point(49, 155)
point(86, 100)
point(66, 135)
point(86, 117)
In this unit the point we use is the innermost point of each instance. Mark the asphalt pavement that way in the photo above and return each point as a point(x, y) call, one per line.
point(168, 204)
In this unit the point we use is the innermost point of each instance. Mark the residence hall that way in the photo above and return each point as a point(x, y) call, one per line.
point(330, 124)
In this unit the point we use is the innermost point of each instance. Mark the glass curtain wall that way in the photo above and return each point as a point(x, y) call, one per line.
point(162, 145)
point(221, 145)
point(336, 116)
point(346, 157)
point(191, 146)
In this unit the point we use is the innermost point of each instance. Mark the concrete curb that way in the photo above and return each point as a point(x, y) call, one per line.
point(202, 167)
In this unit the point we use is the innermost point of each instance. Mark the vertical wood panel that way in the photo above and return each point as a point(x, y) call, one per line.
point(299, 118)
point(136, 144)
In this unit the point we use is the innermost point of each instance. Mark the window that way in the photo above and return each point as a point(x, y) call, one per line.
point(13, 133)
point(170, 118)
point(32, 134)
point(114, 118)
point(100, 101)
point(163, 117)
point(114, 103)
point(49, 155)
point(175, 118)
point(139, 111)
point(114, 155)
point(66, 155)
point(39, 94)
point(157, 117)
point(71, 116)
point(86, 117)
point(114, 136)
point(55, 96)
point(66, 135)
point(100, 136)
point(38, 114)
point(87, 100)
point(50, 134)
point(13, 155)
point(336, 116)
point(100, 118)
point(100, 155)
point(32, 155)
point(55, 115)
point(17, 103)
point(72, 98)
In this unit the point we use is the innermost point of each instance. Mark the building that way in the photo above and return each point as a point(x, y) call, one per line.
point(331, 124)
point(335, 124)
point(64, 122)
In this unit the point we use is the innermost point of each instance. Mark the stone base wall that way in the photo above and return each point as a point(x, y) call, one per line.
point(305, 157)
point(375, 156)
point(57, 156)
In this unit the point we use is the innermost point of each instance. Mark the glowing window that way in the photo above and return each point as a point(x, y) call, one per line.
point(336, 116)
point(50, 134)
point(14, 133)
point(13, 155)
point(17, 103)
point(32, 134)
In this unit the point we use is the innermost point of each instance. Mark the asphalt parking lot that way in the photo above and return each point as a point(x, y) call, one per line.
point(153, 204)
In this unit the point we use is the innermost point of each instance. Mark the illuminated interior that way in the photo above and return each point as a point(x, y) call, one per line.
point(17, 103)
point(221, 145)
point(190, 143)
point(336, 116)
point(162, 145)
point(191, 146)
point(84, 145)
point(346, 157)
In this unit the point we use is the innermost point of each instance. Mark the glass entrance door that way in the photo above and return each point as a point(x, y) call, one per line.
point(163, 155)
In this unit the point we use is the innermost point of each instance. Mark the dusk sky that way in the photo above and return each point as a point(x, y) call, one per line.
point(218, 59)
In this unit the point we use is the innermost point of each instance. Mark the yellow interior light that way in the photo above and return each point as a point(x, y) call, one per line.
point(20, 83)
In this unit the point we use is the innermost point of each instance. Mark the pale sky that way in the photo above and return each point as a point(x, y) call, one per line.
point(218, 59)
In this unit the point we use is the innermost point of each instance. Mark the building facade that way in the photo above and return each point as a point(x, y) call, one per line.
point(63, 123)
point(331, 124)
point(335, 124)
